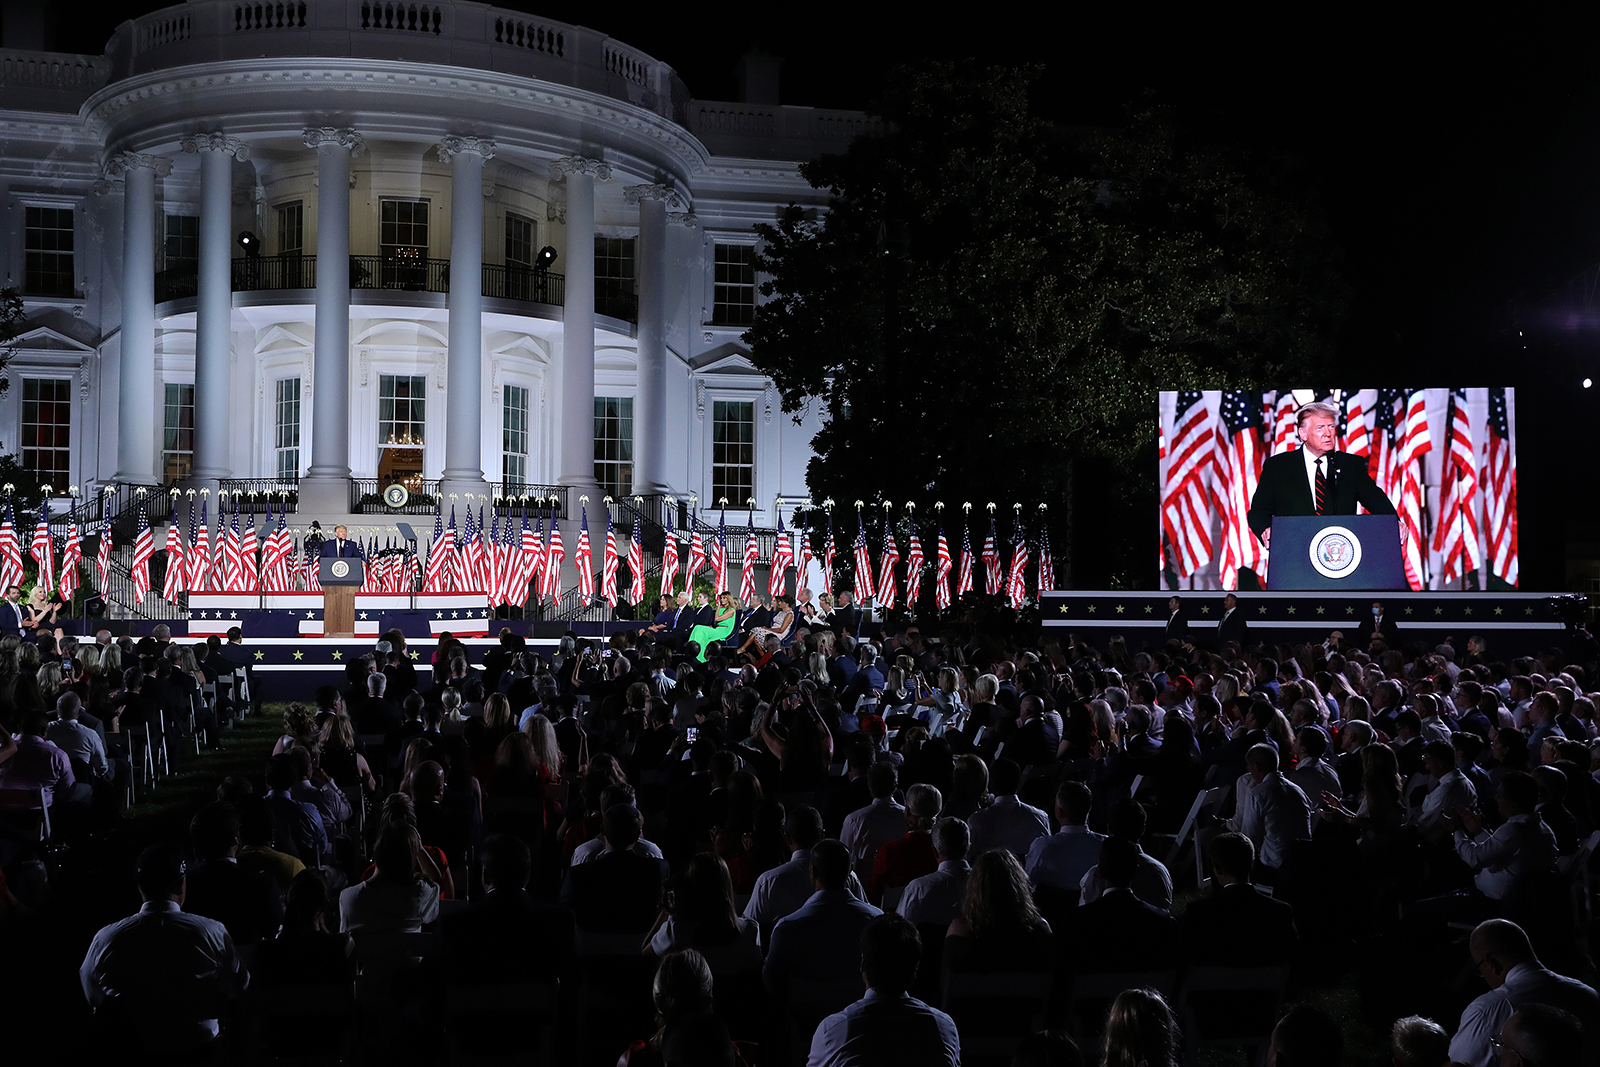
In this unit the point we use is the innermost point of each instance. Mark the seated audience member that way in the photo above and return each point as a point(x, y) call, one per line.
point(1007, 822)
point(1274, 814)
point(256, 828)
point(1306, 1037)
point(1538, 1034)
point(398, 897)
point(999, 928)
point(38, 764)
point(300, 830)
point(883, 820)
point(247, 902)
point(619, 891)
point(702, 917)
point(887, 1025)
point(1152, 883)
point(1211, 926)
point(1061, 860)
point(1448, 791)
point(936, 898)
point(781, 891)
point(681, 991)
point(376, 714)
point(1507, 860)
point(821, 941)
point(1418, 1042)
point(1504, 958)
point(508, 937)
point(910, 856)
point(306, 952)
point(1141, 1031)
point(1118, 931)
point(160, 975)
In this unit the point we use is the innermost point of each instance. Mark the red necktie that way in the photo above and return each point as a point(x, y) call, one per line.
point(1322, 489)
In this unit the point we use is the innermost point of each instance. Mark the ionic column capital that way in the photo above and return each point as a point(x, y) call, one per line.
point(635, 194)
point(119, 165)
point(597, 169)
point(450, 146)
point(196, 143)
point(683, 218)
point(317, 136)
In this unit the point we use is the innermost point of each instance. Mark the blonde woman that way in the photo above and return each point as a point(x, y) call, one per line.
point(545, 747)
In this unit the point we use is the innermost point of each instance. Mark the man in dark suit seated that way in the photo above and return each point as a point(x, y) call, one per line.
point(1119, 932)
point(1237, 925)
point(11, 617)
point(247, 902)
point(376, 714)
point(508, 937)
point(340, 546)
point(619, 891)
point(1314, 479)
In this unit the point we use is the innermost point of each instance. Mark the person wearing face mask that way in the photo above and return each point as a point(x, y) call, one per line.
point(1380, 625)
point(1314, 479)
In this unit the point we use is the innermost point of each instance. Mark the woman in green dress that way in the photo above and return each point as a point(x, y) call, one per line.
point(704, 635)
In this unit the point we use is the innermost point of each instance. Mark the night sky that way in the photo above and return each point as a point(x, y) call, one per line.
point(1457, 160)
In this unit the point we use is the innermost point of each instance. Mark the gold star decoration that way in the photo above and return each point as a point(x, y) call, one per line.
point(1466, 611)
point(1205, 609)
point(1350, 609)
point(1527, 611)
point(1499, 611)
point(1063, 609)
point(1147, 609)
point(413, 654)
point(1408, 609)
point(299, 654)
point(1438, 611)
point(337, 654)
point(1262, 610)
point(260, 654)
point(1320, 609)
point(1120, 609)
point(1291, 609)
point(1093, 608)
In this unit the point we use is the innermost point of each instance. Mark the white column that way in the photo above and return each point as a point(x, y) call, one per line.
point(138, 448)
point(213, 381)
point(463, 420)
point(326, 486)
point(649, 406)
point(577, 328)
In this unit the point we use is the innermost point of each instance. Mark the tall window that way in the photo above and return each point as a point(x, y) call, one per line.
point(402, 411)
point(286, 429)
point(47, 429)
point(183, 243)
point(519, 241)
point(403, 240)
point(613, 444)
point(47, 251)
point(177, 437)
point(735, 290)
point(291, 228)
point(733, 451)
point(514, 438)
point(613, 278)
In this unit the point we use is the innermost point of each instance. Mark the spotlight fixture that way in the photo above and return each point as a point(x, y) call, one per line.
point(249, 242)
point(547, 258)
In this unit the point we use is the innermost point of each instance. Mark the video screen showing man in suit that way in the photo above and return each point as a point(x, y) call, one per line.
point(1314, 479)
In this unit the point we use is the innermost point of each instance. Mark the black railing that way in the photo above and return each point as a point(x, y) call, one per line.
point(408, 273)
point(513, 490)
point(616, 302)
point(282, 494)
point(274, 272)
point(178, 283)
point(524, 283)
point(366, 497)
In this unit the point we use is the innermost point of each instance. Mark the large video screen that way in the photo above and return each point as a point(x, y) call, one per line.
point(1445, 458)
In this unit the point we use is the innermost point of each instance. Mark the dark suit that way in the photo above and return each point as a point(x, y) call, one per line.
point(246, 902)
point(1238, 926)
point(1383, 625)
point(1177, 626)
point(11, 618)
point(1232, 627)
point(1119, 932)
point(509, 938)
point(614, 893)
point(1284, 489)
point(846, 620)
point(346, 549)
point(375, 715)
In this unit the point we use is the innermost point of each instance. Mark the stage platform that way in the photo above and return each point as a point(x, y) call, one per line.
point(1512, 623)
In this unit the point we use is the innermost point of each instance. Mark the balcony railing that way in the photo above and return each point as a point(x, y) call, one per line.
point(412, 274)
point(524, 283)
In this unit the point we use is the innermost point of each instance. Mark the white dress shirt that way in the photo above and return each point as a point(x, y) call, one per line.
point(880, 1029)
point(740, 956)
point(1311, 473)
point(1314, 777)
point(1448, 793)
point(79, 743)
point(1008, 823)
point(1062, 859)
point(936, 898)
point(1152, 883)
point(1523, 845)
point(867, 830)
point(780, 892)
point(1275, 814)
point(592, 848)
point(1526, 983)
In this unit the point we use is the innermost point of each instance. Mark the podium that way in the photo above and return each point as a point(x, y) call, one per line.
point(340, 578)
point(1336, 553)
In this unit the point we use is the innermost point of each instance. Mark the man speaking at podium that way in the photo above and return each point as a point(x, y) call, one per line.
point(341, 546)
point(1314, 479)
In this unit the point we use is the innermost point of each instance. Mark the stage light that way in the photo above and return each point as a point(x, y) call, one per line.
point(1587, 382)
point(248, 242)
point(546, 258)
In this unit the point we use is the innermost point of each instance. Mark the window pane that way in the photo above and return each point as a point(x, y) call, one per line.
point(519, 241)
point(183, 242)
point(291, 228)
point(46, 429)
point(734, 296)
point(514, 437)
point(286, 428)
point(733, 454)
point(47, 251)
point(613, 277)
point(613, 444)
point(177, 437)
point(401, 410)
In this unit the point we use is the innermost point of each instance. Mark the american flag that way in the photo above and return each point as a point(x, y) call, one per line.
point(199, 550)
point(1283, 423)
point(608, 572)
point(914, 565)
point(69, 559)
point(269, 553)
point(941, 574)
point(1355, 408)
point(697, 558)
point(144, 546)
point(470, 567)
point(369, 573)
point(283, 554)
point(1381, 457)
point(1017, 579)
point(434, 577)
point(583, 558)
point(752, 556)
point(782, 559)
point(719, 556)
point(802, 555)
point(494, 559)
point(554, 556)
point(102, 559)
point(1241, 459)
point(536, 564)
point(1191, 465)
point(888, 588)
point(43, 551)
point(313, 578)
point(1414, 443)
point(10, 551)
point(527, 549)
point(232, 561)
point(247, 554)
point(829, 552)
point(1047, 566)
point(1500, 492)
point(863, 561)
point(964, 574)
point(669, 558)
point(172, 584)
point(1455, 537)
point(636, 592)
point(992, 578)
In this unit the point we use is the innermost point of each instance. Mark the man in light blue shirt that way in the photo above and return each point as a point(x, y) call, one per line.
point(1061, 860)
point(887, 1025)
point(822, 941)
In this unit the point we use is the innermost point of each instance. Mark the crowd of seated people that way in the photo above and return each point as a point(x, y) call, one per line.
point(794, 844)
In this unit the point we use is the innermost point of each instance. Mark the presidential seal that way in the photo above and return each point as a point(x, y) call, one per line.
point(339, 569)
point(396, 495)
point(1335, 552)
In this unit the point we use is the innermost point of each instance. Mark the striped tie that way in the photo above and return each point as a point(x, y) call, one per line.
point(1322, 490)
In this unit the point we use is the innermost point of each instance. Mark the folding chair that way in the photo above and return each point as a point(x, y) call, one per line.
point(985, 1005)
point(1205, 801)
point(26, 810)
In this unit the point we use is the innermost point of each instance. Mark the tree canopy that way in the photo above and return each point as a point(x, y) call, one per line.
point(992, 299)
